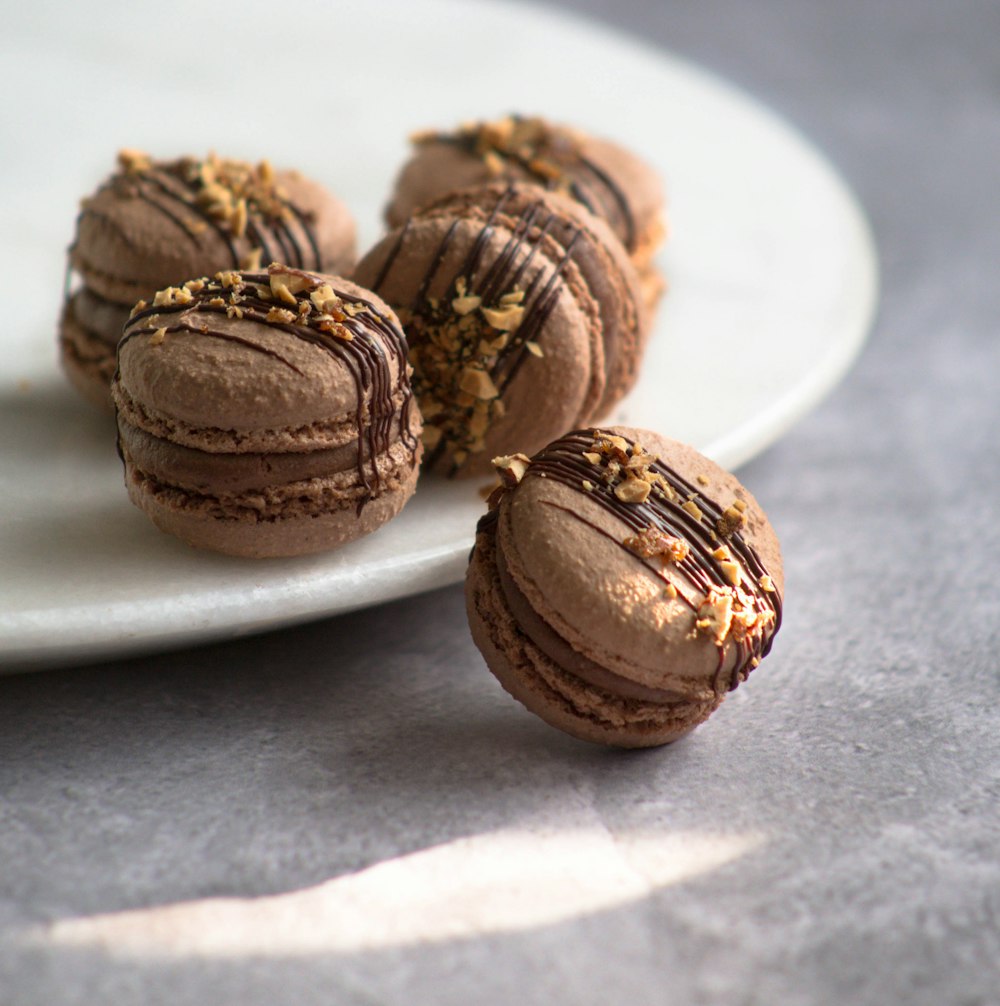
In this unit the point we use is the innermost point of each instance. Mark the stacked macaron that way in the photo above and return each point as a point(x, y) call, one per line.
point(155, 224)
point(266, 413)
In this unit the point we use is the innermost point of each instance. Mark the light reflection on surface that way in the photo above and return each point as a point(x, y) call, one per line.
point(501, 881)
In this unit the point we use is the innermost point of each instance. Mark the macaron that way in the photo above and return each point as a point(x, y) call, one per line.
point(621, 584)
point(155, 224)
point(611, 181)
point(523, 314)
point(266, 413)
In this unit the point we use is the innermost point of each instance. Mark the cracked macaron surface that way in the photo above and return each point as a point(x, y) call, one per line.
point(621, 584)
point(266, 413)
point(153, 224)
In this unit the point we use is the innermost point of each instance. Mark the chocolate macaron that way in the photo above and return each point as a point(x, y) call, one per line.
point(621, 584)
point(266, 413)
point(608, 179)
point(155, 224)
point(523, 315)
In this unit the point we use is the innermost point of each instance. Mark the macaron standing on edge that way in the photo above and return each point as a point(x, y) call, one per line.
point(155, 224)
point(621, 584)
point(266, 413)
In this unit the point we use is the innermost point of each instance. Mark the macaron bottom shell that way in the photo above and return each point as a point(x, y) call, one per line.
point(297, 518)
point(557, 696)
point(87, 358)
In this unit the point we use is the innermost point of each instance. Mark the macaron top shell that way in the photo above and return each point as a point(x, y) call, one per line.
point(505, 335)
point(277, 360)
point(606, 269)
point(610, 181)
point(153, 224)
point(668, 592)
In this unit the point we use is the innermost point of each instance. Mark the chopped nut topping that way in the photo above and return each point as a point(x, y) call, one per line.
point(731, 571)
point(478, 383)
point(251, 261)
point(588, 485)
point(703, 480)
point(140, 305)
point(633, 490)
point(134, 161)
point(172, 295)
point(715, 614)
point(766, 583)
point(534, 348)
point(693, 509)
point(732, 520)
point(594, 459)
point(670, 591)
point(506, 319)
point(466, 305)
point(286, 283)
point(280, 315)
point(651, 541)
point(229, 278)
point(511, 468)
point(217, 302)
point(157, 337)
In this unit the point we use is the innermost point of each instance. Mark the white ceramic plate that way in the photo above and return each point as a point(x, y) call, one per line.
point(771, 267)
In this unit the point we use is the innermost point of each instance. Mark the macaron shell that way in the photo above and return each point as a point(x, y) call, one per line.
point(437, 167)
point(562, 699)
point(607, 603)
point(547, 393)
point(128, 246)
point(87, 359)
point(603, 264)
point(268, 380)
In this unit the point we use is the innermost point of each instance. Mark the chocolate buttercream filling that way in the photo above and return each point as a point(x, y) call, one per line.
point(557, 649)
point(211, 472)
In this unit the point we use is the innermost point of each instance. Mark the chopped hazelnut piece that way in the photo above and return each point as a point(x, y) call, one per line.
point(134, 161)
point(715, 614)
point(766, 583)
point(633, 491)
point(229, 278)
point(478, 383)
point(652, 541)
point(511, 468)
point(251, 261)
point(692, 508)
point(140, 305)
point(534, 349)
point(279, 315)
point(466, 304)
point(506, 319)
point(157, 337)
point(594, 459)
point(731, 571)
point(732, 520)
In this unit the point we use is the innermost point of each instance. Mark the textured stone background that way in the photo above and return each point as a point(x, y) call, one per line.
point(851, 790)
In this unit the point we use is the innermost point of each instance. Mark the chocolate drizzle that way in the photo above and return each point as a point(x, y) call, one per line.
point(490, 282)
point(563, 461)
point(359, 337)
